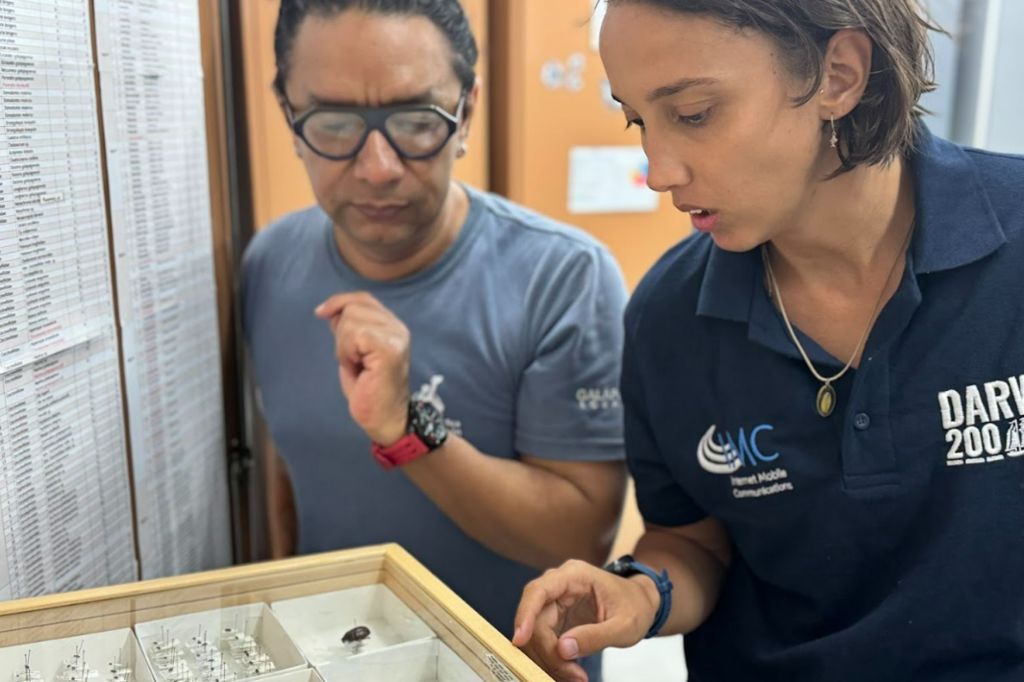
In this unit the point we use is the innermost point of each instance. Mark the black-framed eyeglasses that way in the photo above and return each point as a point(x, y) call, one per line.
point(414, 131)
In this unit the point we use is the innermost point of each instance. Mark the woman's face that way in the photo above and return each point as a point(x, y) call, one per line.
point(715, 110)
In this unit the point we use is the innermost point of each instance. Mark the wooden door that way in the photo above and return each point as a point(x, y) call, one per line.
point(537, 121)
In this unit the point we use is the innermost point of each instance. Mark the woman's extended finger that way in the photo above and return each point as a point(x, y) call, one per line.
point(537, 594)
point(572, 579)
point(543, 646)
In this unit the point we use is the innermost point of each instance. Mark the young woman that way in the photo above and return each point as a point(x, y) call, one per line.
point(823, 387)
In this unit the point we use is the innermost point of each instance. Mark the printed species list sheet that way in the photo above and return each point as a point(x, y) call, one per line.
point(65, 511)
point(151, 85)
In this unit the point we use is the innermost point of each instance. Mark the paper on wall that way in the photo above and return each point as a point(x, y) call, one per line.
point(609, 180)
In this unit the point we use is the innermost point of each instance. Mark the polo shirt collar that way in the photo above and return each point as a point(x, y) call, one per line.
point(956, 226)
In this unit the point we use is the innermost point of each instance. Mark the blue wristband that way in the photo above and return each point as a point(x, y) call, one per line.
point(626, 567)
point(665, 591)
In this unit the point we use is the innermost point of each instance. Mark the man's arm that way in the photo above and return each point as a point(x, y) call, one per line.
point(539, 512)
point(534, 511)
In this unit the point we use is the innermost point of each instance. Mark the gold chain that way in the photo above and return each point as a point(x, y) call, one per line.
point(826, 398)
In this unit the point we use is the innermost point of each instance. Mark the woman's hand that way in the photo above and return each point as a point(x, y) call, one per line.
point(579, 609)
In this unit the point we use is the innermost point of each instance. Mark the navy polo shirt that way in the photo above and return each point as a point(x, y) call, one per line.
point(885, 542)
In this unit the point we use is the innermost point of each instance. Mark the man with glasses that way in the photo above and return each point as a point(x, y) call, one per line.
point(476, 343)
point(416, 131)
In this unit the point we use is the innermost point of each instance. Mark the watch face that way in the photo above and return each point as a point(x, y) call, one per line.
point(427, 422)
point(623, 566)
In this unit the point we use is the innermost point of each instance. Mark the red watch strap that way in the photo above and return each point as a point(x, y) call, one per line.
point(404, 450)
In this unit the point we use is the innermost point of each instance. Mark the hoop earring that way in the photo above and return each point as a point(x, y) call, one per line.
point(834, 140)
point(461, 151)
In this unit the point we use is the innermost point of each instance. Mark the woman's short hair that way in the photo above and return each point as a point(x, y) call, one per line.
point(883, 124)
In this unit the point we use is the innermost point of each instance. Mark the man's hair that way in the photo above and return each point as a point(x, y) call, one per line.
point(883, 124)
point(447, 15)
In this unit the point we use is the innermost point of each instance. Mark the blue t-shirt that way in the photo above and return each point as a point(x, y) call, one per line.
point(516, 330)
point(886, 542)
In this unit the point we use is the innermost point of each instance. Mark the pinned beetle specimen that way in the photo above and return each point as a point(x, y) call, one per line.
point(356, 635)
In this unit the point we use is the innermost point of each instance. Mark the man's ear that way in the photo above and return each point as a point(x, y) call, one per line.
point(282, 103)
point(469, 109)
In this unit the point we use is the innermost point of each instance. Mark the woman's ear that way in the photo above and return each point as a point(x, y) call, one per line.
point(847, 69)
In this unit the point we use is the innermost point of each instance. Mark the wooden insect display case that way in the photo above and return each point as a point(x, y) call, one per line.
point(360, 615)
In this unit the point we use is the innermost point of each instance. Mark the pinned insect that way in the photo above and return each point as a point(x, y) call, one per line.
point(356, 635)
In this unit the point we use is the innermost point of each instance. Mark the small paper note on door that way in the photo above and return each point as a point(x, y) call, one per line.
point(609, 180)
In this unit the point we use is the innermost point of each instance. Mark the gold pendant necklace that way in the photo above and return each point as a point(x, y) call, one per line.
point(825, 402)
point(826, 399)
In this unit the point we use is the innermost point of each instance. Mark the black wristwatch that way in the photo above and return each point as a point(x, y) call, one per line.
point(626, 566)
point(425, 432)
point(427, 422)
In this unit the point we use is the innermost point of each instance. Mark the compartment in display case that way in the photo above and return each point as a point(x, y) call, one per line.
point(334, 626)
point(304, 675)
point(426, 660)
point(220, 645)
point(99, 657)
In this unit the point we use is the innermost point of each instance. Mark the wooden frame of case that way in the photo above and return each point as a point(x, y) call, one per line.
point(475, 640)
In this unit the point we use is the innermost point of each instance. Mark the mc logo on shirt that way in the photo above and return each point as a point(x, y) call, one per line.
point(724, 453)
point(984, 422)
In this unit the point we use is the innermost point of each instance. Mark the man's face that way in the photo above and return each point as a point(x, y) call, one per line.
point(383, 203)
